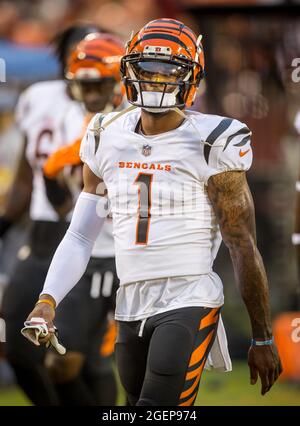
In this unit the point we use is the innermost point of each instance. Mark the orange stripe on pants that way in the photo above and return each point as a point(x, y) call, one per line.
point(209, 319)
point(189, 402)
point(199, 353)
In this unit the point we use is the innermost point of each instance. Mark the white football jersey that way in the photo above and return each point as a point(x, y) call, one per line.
point(163, 221)
point(104, 244)
point(49, 119)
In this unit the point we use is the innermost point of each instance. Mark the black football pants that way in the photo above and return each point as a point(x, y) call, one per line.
point(160, 360)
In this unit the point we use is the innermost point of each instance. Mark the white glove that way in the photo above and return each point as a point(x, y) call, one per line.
point(37, 328)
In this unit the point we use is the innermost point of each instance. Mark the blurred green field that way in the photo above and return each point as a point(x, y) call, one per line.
point(234, 389)
point(215, 389)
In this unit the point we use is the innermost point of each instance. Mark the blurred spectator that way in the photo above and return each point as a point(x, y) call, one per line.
point(9, 16)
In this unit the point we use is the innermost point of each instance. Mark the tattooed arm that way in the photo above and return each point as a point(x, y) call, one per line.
point(233, 205)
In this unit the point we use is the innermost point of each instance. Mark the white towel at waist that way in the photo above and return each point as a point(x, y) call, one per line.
point(218, 358)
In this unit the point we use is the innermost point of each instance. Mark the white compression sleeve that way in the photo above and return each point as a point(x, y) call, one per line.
point(73, 253)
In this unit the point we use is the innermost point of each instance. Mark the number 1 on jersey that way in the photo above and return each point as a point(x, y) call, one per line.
point(144, 181)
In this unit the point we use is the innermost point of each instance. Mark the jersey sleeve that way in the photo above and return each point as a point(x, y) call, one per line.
point(22, 110)
point(231, 151)
point(90, 145)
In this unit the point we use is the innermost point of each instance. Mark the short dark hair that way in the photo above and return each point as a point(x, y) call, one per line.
point(71, 35)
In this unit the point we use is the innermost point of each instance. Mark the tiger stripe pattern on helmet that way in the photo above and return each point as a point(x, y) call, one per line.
point(99, 52)
point(167, 40)
point(168, 30)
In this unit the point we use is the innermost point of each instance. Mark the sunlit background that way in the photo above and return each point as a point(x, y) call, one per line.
point(249, 53)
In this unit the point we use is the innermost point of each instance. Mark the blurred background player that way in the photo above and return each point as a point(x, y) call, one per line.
point(41, 113)
point(94, 79)
point(48, 117)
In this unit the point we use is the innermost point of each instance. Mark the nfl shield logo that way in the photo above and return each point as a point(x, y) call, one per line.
point(146, 150)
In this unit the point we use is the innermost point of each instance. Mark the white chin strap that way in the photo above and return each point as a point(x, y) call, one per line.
point(76, 91)
point(153, 101)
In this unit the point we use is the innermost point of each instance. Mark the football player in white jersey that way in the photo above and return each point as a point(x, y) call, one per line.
point(48, 118)
point(176, 185)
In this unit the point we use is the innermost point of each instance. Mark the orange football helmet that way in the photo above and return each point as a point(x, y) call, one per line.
point(96, 59)
point(97, 56)
point(163, 66)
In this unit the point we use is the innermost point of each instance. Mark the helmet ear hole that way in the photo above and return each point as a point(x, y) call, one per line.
point(199, 76)
point(183, 92)
point(123, 68)
point(131, 91)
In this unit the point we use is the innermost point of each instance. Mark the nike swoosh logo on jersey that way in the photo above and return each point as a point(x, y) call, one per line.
point(242, 153)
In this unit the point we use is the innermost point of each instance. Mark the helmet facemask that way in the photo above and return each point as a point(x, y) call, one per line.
point(157, 83)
